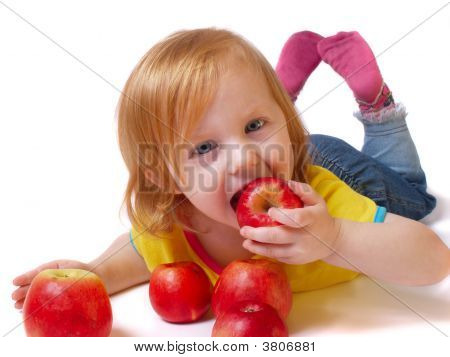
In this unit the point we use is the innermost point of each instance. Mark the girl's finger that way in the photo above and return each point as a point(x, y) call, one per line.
point(293, 217)
point(26, 278)
point(272, 235)
point(307, 194)
point(20, 293)
point(275, 251)
point(19, 304)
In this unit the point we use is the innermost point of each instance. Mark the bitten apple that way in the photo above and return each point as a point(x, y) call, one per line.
point(67, 303)
point(252, 279)
point(249, 318)
point(180, 291)
point(261, 194)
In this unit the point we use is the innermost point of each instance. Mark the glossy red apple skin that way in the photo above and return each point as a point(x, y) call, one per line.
point(180, 292)
point(67, 303)
point(248, 318)
point(261, 194)
point(252, 279)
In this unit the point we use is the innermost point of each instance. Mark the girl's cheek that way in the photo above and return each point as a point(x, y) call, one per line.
point(205, 181)
point(282, 160)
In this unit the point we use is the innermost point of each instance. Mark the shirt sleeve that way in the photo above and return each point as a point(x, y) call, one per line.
point(342, 200)
point(159, 248)
point(132, 243)
point(380, 214)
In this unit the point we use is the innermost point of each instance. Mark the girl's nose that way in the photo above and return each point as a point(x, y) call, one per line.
point(243, 159)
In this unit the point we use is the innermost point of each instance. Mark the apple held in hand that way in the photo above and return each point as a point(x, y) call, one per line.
point(252, 279)
point(248, 318)
point(261, 194)
point(180, 291)
point(67, 303)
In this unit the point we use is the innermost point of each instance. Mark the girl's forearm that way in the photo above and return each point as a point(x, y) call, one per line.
point(403, 252)
point(120, 267)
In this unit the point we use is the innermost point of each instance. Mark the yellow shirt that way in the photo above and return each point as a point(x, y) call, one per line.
point(341, 200)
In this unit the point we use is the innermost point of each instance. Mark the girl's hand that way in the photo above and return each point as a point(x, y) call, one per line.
point(307, 234)
point(24, 280)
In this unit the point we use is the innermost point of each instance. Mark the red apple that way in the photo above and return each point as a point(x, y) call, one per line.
point(67, 303)
point(248, 318)
point(252, 279)
point(180, 291)
point(258, 196)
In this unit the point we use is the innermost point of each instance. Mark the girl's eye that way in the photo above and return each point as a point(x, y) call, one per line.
point(254, 125)
point(205, 147)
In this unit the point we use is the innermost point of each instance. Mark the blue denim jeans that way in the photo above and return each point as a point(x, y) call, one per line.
point(387, 169)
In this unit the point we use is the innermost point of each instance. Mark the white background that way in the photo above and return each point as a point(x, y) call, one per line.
point(62, 176)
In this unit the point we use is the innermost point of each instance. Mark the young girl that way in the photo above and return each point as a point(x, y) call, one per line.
point(203, 113)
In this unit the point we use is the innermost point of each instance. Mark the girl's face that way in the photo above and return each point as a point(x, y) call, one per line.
point(242, 136)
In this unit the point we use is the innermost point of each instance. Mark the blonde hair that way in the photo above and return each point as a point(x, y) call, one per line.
point(164, 97)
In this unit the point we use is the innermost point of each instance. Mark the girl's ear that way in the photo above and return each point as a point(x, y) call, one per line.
point(153, 178)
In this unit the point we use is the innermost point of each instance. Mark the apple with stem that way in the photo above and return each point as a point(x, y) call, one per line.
point(252, 279)
point(67, 303)
point(255, 199)
point(248, 318)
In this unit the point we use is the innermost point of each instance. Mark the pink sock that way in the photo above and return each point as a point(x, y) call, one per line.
point(298, 59)
point(351, 57)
